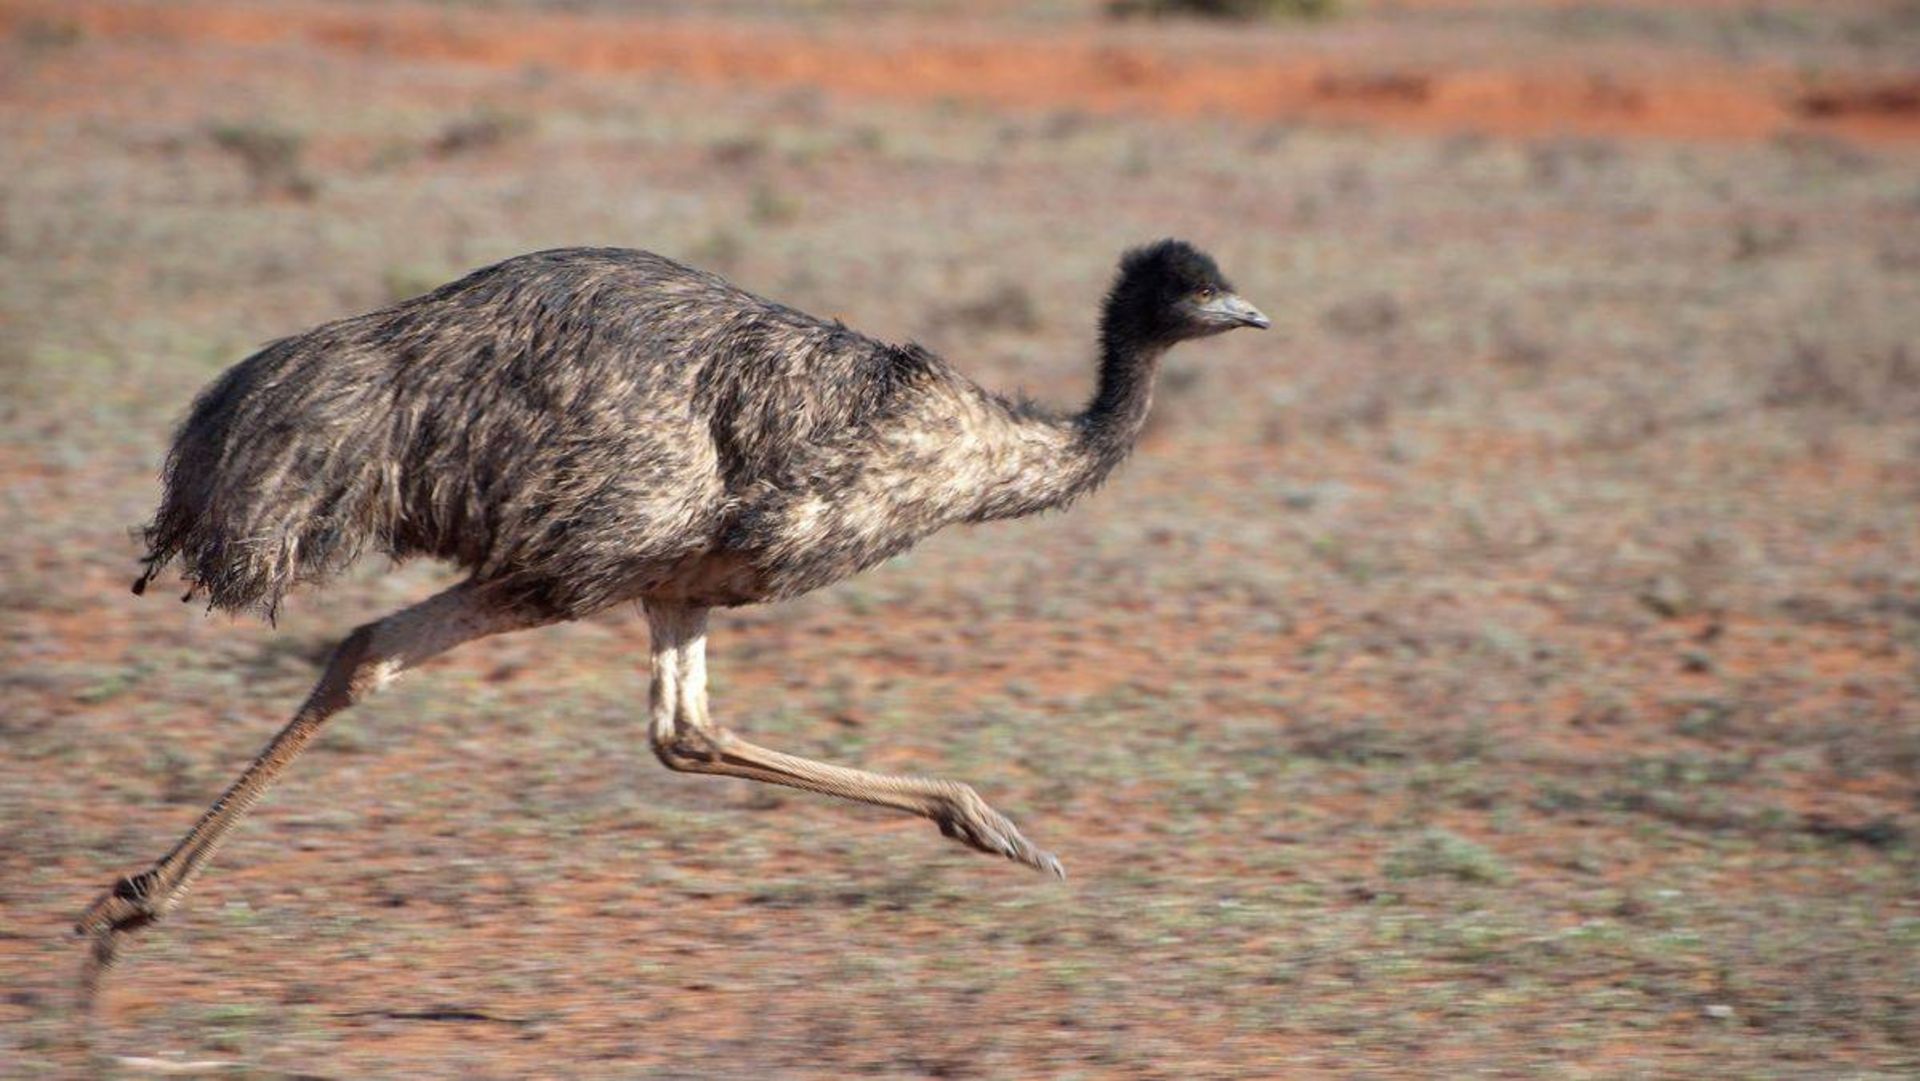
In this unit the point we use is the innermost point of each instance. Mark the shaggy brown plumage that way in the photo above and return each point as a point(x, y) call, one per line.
point(585, 426)
point(591, 425)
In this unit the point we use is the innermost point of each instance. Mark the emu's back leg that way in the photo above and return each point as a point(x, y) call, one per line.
point(366, 660)
point(686, 738)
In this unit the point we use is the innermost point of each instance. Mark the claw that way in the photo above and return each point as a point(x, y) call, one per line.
point(1050, 863)
point(128, 906)
point(971, 822)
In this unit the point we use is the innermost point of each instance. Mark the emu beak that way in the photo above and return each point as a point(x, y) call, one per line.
point(1242, 313)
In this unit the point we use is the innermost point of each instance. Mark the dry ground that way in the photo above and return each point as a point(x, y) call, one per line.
point(1505, 667)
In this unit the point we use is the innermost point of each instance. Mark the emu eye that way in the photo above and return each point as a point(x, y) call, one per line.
point(1206, 293)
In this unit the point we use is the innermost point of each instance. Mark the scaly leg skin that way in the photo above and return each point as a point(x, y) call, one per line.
point(686, 739)
point(369, 658)
point(139, 901)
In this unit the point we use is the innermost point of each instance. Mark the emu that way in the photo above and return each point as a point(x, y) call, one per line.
point(581, 427)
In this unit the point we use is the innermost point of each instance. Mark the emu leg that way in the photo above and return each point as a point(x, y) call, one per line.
point(366, 660)
point(686, 739)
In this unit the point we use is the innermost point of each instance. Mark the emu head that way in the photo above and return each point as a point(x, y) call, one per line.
point(1170, 291)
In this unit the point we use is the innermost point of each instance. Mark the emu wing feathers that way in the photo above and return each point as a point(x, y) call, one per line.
point(579, 422)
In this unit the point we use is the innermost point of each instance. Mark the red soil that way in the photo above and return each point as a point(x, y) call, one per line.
point(1093, 66)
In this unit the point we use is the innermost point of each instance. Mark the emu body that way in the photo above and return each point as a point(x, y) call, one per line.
point(587, 426)
point(581, 427)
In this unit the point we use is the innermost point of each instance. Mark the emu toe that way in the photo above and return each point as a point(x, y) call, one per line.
point(971, 822)
point(129, 905)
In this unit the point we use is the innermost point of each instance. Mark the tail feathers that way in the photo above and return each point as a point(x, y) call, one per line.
point(273, 481)
point(248, 562)
point(146, 576)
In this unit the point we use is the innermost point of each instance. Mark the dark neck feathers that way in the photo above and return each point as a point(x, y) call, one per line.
point(1099, 438)
point(1130, 350)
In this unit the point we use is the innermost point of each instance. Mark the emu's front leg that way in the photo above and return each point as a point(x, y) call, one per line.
point(686, 739)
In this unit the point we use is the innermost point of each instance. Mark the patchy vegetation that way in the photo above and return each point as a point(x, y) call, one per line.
point(1507, 666)
point(1227, 9)
point(271, 157)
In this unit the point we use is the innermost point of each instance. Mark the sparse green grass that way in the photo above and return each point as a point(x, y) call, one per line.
point(1439, 853)
point(1510, 675)
point(271, 155)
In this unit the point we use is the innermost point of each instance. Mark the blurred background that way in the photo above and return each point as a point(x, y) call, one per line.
point(1506, 666)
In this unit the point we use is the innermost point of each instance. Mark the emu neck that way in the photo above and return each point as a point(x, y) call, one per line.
point(1112, 422)
point(1062, 459)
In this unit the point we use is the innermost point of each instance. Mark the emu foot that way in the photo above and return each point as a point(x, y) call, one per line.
point(967, 818)
point(130, 904)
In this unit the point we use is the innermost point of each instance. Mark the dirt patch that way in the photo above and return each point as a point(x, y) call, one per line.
point(1081, 66)
point(1503, 666)
point(1894, 99)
